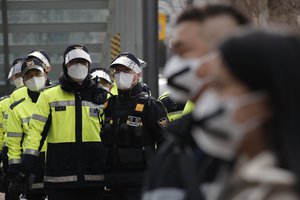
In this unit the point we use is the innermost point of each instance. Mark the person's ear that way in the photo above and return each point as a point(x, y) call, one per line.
point(136, 78)
point(48, 69)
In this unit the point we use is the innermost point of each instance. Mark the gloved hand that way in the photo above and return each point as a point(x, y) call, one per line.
point(2, 181)
point(99, 96)
point(16, 186)
point(28, 164)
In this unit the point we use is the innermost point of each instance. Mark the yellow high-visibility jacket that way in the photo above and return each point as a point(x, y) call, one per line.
point(4, 103)
point(17, 128)
point(16, 95)
point(17, 132)
point(74, 156)
point(175, 110)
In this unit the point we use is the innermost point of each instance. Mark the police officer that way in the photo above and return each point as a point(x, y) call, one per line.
point(15, 76)
point(3, 176)
point(132, 127)
point(21, 91)
point(68, 112)
point(15, 72)
point(35, 80)
point(103, 78)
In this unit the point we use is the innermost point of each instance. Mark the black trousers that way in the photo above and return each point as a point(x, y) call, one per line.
point(123, 193)
point(91, 193)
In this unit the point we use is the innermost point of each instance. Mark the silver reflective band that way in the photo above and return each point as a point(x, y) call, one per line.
point(39, 118)
point(175, 113)
point(25, 120)
point(60, 179)
point(165, 194)
point(37, 186)
point(90, 104)
point(5, 116)
point(94, 177)
point(62, 103)
point(14, 161)
point(32, 152)
point(12, 134)
point(1, 125)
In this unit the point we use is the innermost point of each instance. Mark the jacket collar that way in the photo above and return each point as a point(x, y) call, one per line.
point(70, 86)
point(131, 93)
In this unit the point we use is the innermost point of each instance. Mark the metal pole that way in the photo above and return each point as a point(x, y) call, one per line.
point(5, 40)
point(150, 44)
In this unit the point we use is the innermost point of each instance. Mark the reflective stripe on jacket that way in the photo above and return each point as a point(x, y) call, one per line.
point(74, 149)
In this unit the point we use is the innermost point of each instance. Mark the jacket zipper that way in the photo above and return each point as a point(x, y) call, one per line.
point(115, 147)
point(78, 134)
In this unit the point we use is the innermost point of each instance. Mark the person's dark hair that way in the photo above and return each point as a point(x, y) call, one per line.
point(200, 14)
point(215, 10)
point(269, 61)
point(191, 14)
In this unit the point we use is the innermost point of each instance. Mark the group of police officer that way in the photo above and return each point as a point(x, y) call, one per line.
point(90, 135)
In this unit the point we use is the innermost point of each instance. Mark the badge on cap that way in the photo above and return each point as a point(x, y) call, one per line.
point(78, 47)
point(30, 63)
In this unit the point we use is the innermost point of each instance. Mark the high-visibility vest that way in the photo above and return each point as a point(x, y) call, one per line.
point(74, 150)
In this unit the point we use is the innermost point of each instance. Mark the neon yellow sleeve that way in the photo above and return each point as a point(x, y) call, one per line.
point(1, 127)
point(37, 124)
point(14, 137)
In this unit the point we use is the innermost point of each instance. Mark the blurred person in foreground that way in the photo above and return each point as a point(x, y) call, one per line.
point(197, 33)
point(255, 122)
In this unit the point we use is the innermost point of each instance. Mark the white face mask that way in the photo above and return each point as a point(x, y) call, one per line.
point(78, 72)
point(18, 82)
point(124, 80)
point(207, 103)
point(220, 134)
point(183, 83)
point(36, 83)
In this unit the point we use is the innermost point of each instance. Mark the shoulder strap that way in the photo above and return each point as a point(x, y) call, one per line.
point(14, 104)
point(143, 100)
point(50, 86)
